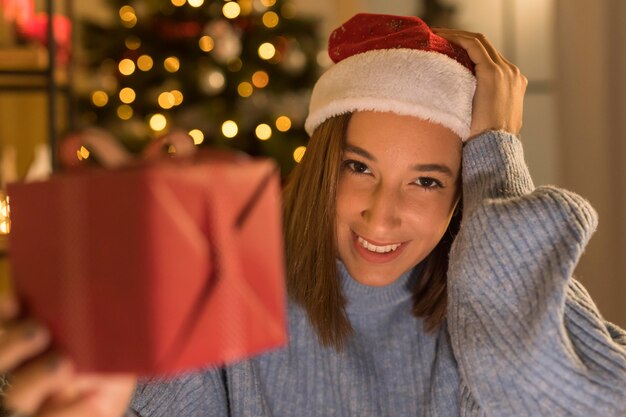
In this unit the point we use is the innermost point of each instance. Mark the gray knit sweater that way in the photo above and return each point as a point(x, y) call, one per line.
point(522, 338)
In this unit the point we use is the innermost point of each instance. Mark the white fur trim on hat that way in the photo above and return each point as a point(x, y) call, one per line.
point(410, 82)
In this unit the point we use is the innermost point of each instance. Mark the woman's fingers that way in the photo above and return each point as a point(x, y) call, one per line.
point(500, 89)
point(31, 386)
point(21, 341)
point(476, 44)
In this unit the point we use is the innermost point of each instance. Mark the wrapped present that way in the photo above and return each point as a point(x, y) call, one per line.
point(157, 268)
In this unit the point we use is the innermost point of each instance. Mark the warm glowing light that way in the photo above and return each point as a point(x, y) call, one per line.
point(288, 11)
point(195, 3)
point(206, 43)
point(263, 131)
point(171, 64)
point(298, 153)
point(231, 9)
point(270, 19)
point(167, 100)
point(126, 10)
point(260, 79)
point(245, 89)
point(178, 97)
point(82, 153)
point(127, 95)
point(145, 62)
point(235, 65)
point(267, 51)
point(158, 122)
point(217, 80)
point(132, 42)
point(197, 136)
point(124, 112)
point(126, 66)
point(128, 16)
point(230, 129)
point(99, 98)
point(5, 210)
point(268, 3)
point(283, 123)
point(179, 3)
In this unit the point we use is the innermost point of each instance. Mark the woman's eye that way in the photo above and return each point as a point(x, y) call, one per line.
point(357, 167)
point(428, 182)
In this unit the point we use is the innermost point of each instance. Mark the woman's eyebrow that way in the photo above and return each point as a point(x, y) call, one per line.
point(433, 168)
point(359, 151)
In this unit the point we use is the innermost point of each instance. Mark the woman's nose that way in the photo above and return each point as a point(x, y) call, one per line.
point(383, 211)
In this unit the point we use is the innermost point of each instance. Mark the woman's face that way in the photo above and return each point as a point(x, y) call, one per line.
point(397, 190)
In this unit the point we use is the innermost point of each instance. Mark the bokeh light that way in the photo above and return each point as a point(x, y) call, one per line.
point(132, 42)
point(298, 153)
point(231, 10)
point(230, 129)
point(178, 97)
point(171, 64)
point(126, 66)
point(263, 131)
point(166, 100)
point(267, 51)
point(283, 123)
point(127, 95)
point(195, 3)
point(158, 122)
point(99, 98)
point(179, 3)
point(145, 62)
point(245, 89)
point(197, 136)
point(260, 79)
point(270, 19)
point(206, 43)
point(124, 112)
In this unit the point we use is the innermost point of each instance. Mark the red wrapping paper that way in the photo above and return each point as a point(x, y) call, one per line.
point(154, 269)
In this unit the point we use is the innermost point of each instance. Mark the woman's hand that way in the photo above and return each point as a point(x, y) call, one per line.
point(499, 98)
point(43, 383)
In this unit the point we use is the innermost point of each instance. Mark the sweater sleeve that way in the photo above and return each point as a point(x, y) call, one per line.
point(527, 337)
point(197, 394)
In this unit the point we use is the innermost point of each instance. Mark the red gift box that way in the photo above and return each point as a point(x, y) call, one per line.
point(154, 269)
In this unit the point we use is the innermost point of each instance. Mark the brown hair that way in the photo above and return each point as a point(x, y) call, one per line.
point(310, 242)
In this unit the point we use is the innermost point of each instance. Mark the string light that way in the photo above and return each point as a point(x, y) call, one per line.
point(263, 131)
point(5, 215)
point(230, 129)
point(260, 79)
point(298, 153)
point(128, 16)
point(171, 64)
point(231, 10)
point(245, 89)
point(158, 122)
point(145, 62)
point(127, 95)
point(195, 3)
point(124, 112)
point(267, 51)
point(179, 3)
point(197, 136)
point(206, 43)
point(178, 97)
point(166, 100)
point(82, 153)
point(126, 66)
point(270, 19)
point(132, 42)
point(283, 123)
point(99, 98)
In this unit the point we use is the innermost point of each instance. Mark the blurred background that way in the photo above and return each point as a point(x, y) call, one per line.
point(238, 74)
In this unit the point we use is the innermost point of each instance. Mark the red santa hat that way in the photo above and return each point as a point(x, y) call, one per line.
point(394, 64)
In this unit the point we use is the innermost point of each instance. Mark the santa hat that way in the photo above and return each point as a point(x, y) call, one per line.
point(394, 64)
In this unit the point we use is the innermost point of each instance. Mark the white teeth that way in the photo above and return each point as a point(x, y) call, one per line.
point(379, 249)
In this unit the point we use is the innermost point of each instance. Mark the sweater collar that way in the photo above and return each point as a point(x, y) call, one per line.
point(362, 297)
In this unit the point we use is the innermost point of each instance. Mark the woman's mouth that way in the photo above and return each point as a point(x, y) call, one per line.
point(376, 248)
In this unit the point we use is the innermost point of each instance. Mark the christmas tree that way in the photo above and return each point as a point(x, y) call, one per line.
point(233, 74)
